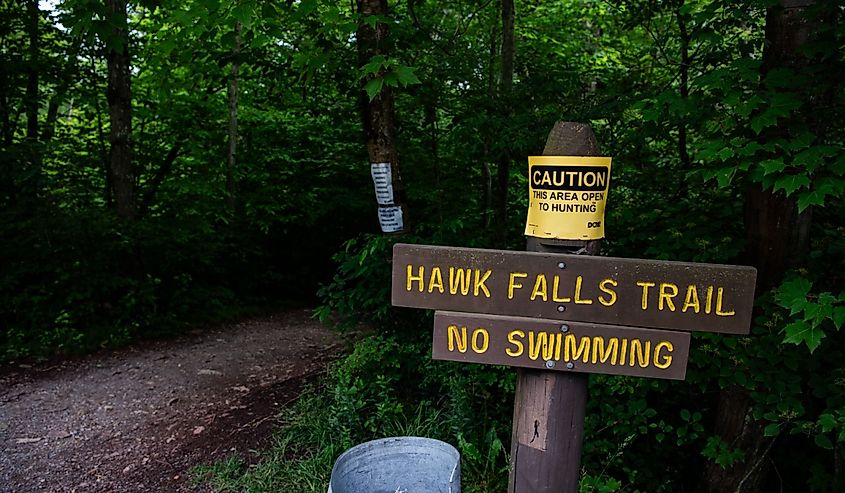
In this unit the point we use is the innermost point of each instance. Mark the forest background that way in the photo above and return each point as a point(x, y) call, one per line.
point(165, 163)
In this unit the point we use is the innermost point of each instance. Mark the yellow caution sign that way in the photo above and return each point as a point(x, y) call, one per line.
point(567, 195)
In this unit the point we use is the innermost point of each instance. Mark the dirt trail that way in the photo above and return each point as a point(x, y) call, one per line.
point(136, 420)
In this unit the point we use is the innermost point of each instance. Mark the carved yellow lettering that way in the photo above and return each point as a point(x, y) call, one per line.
point(663, 361)
point(719, 293)
point(536, 342)
point(481, 347)
point(410, 278)
point(622, 351)
point(479, 286)
point(540, 288)
point(558, 344)
point(436, 280)
point(645, 286)
point(708, 307)
point(639, 353)
point(459, 279)
point(512, 284)
point(571, 353)
point(514, 337)
point(578, 300)
point(555, 297)
point(610, 292)
point(668, 291)
point(457, 337)
point(600, 353)
point(691, 299)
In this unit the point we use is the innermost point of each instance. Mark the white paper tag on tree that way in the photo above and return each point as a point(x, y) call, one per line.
point(390, 219)
point(383, 181)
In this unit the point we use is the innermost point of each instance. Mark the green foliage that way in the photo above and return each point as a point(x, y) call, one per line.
point(381, 71)
point(811, 312)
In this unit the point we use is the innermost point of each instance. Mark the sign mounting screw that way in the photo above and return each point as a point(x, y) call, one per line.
point(550, 364)
point(564, 328)
point(570, 365)
point(561, 308)
point(561, 265)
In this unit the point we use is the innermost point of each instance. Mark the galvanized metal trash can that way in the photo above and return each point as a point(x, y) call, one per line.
point(398, 465)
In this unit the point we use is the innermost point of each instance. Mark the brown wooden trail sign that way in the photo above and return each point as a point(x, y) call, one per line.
point(631, 292)
point(562, 346)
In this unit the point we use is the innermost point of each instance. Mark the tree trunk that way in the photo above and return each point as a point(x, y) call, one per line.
point(500, 213)
point(119, 96)
point(486, 175)
point(683, 88)
point(101, 137)
point(379, 115)
point(777, 239)
point(233, 121)
point(7, 125)
point(33, 15)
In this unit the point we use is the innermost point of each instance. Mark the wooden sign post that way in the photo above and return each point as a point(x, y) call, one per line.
point(549, 408)
point(557, 314)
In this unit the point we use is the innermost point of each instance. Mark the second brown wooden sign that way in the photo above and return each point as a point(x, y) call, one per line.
point(562, 346)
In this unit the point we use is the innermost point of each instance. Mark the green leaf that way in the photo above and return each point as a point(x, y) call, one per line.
point(685, 414)
point(406, 75)
point(726, 153)
point(824, 442)
point(348, 27)
point(748, 105)
point(838, 317)
point(791, 183)
point(812, 312)
point(804, 140)
point(243, 13)
point(749, 149)
point(307, 6)
point(813, 197)
point(374, 87)
point(802, 332)
point(724, 176)
point(228, 39)
point(771, 430)
point(793, 290)
point(375, 65)
point(838, 166)
point(827, 422)
point(763, 120)
point(814, 157)
point(260, 41)
point(391, 79)
point(372, 20)
point(783, 103)
point(772, 166)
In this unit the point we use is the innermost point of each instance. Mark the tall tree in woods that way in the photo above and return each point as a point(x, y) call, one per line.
point(32, 102)
point(500, 213)
point(778, 232)
point(119, 96)
point(378, 111)
point(683, 79)
point(231, 156)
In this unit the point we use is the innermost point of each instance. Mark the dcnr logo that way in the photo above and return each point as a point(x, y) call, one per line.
point(594, 224)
